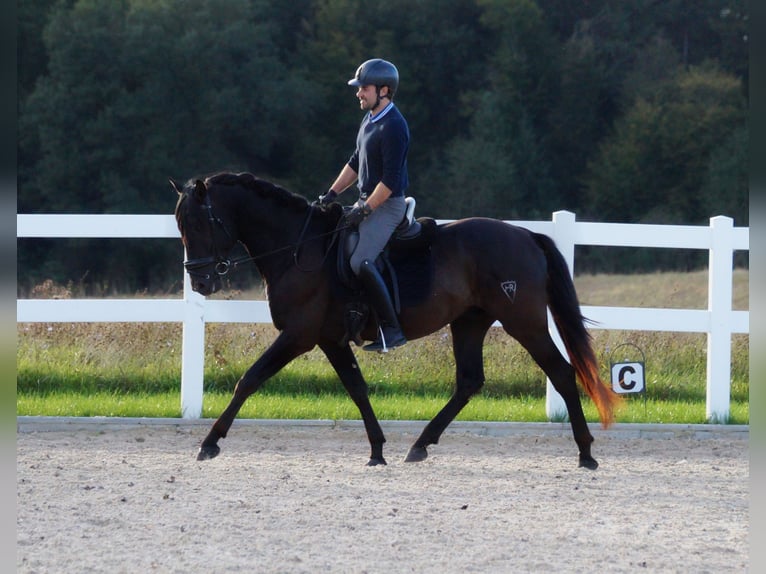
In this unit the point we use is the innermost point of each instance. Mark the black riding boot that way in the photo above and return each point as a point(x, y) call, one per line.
point(390, 333)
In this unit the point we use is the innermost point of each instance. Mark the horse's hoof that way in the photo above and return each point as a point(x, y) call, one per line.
point(588, 462)
point(377, 461)
point(417, 454)
point(208, 452)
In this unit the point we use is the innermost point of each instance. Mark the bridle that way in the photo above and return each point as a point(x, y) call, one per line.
point(222, 265)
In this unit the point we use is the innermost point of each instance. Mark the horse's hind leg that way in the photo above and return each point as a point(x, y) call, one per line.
point(468, 332)
point(344, 362)
point(562, 377)
point(282, 351)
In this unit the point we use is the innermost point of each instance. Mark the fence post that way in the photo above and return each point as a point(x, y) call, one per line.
point(193, 352)
point(719, 304)
point(564, 236)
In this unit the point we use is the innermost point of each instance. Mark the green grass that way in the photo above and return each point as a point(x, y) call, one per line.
point(339, 407)
point(133, 370)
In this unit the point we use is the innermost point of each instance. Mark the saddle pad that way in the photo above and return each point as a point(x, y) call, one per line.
point(414, 273)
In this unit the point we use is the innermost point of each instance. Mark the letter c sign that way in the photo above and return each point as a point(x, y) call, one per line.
point(628, 377)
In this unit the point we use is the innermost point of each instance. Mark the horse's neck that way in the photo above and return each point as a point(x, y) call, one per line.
point(271, 243)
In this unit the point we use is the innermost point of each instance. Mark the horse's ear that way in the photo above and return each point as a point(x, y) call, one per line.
point(177, 186)
point(200, 189)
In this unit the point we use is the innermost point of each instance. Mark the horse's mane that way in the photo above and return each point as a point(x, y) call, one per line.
point(263, 188)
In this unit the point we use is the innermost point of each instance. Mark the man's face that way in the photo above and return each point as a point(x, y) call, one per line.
point(368, 99)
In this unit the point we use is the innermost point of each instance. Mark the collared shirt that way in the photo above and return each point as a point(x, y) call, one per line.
point(381, 152)
point(382, 113)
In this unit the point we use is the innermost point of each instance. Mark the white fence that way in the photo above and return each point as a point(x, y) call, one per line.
point(719, 321)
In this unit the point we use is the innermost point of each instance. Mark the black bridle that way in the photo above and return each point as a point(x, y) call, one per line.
point(221, 264)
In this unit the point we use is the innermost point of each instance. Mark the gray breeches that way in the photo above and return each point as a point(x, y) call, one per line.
point(376, 230)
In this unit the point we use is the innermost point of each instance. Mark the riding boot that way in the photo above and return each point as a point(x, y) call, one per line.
point(390, 333)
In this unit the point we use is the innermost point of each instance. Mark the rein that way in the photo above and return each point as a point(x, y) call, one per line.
point(301, 241)
point(222, 265)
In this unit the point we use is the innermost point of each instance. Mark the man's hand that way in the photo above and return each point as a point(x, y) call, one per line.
point(327, 198)
point(357, 214)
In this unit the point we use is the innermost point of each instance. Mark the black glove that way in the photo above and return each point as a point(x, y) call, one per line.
point(357, 213)
point(327, 198)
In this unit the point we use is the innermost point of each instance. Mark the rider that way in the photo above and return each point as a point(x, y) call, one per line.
point(379, 166)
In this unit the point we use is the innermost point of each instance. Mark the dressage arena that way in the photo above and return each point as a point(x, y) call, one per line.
point(109, 496)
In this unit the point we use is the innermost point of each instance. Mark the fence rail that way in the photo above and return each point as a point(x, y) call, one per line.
point(721, 239)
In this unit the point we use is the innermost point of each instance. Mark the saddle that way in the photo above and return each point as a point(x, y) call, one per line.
point(405, 265)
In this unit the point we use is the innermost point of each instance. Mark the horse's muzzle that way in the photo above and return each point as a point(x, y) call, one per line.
point(206, 286)
point(205, 273)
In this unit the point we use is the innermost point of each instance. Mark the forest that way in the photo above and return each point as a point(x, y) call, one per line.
point(633, 111)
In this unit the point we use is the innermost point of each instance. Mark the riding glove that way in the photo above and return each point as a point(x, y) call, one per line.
point(327, 198)
point(357, 213)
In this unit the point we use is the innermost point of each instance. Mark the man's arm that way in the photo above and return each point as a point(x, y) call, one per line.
point(380, 194)
point(346, 177)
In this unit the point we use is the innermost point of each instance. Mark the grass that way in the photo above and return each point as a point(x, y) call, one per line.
point(339, 407)
point(133, 370)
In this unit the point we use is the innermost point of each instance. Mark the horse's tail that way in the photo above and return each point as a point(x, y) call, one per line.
point(565, 309)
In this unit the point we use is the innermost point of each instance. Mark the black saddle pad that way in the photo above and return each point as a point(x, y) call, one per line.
point(414, 268)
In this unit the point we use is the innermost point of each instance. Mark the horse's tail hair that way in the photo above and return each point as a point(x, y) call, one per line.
point(565, 309)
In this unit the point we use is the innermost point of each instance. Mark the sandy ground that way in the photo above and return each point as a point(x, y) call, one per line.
point(302, 500)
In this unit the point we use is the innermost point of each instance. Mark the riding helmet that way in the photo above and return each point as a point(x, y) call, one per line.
point(376, 72)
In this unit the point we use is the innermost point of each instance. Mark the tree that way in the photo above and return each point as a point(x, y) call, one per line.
point(502, 168)
point(725, 185)
point(32, 18)
point(653, 167)
point(138, 91)
point(141, 89)
point(578, 119)
point(327, 56)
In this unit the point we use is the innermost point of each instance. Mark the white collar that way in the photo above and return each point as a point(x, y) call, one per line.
point(382, 113)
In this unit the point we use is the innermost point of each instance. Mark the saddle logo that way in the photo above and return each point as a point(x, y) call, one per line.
point(509, 288)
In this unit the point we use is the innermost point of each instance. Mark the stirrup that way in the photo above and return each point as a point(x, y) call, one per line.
point(382, 345)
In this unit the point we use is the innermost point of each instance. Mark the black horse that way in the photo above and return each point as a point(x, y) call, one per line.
point(481, 270)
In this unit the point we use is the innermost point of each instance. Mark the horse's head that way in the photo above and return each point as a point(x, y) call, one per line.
point(205, 233)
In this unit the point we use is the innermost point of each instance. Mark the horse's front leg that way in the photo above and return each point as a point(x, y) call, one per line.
point(344, 363)
point(283, 350)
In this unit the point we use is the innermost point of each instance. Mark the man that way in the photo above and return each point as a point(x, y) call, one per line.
point(379, 166)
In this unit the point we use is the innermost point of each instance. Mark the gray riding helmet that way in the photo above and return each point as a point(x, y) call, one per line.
point(376, 72)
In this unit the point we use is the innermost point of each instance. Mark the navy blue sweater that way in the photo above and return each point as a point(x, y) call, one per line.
point(381, 152)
